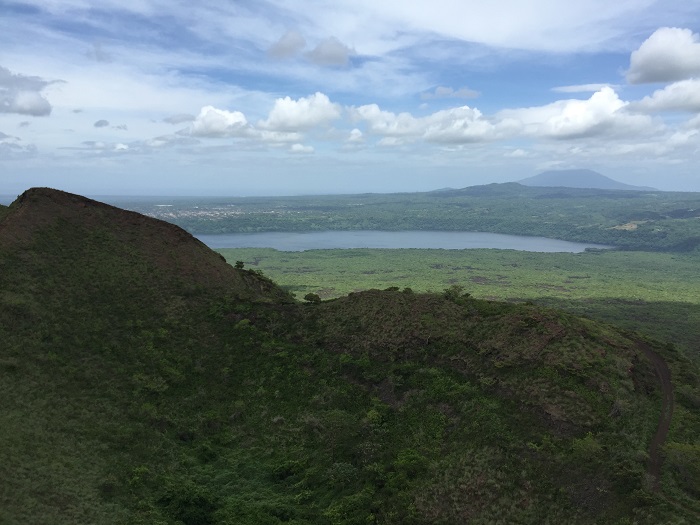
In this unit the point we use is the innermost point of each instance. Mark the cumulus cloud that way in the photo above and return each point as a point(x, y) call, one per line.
point(679, 96)
point(290, 44)
point(448, 92)
point(669, 54)
point(22, 94)
point(302, 114)
point(330, 52)
point(179, 118)
point(380, 122)
point(604, 112)
point(356, 137)
point(301, 149)
point(213, 122)
point(101, 123)
point(454, 125)
point(459, 125)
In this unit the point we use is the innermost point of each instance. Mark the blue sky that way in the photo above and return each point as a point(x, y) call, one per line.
point(276, 97)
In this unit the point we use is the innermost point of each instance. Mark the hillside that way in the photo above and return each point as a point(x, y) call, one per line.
point(144, 380)
point(579, 179)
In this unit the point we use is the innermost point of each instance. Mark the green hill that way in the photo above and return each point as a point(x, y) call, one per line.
point(144, 380)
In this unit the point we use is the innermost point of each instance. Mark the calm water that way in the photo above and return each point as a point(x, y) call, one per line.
point(297, 242)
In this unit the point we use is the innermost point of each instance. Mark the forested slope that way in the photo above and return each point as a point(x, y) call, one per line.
point(144, 380)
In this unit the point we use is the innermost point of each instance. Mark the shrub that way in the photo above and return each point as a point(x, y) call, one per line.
point(312, 298)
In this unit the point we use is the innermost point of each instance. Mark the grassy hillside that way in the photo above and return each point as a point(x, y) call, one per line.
point(144, 380)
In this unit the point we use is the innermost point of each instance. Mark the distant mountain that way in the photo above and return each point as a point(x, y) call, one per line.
point(579, 179)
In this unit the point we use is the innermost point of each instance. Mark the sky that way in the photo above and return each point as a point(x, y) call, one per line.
point(289, 97)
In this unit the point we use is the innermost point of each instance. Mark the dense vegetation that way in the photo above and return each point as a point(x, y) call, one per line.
point(144, 380)
point(655, 293)
point(634, 220)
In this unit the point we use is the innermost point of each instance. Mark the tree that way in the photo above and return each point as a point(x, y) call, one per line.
point(312, 298)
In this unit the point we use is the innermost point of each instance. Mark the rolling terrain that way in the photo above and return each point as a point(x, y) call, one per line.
point(145, 380)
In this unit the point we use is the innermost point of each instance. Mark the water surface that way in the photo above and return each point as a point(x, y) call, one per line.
point(326, 240)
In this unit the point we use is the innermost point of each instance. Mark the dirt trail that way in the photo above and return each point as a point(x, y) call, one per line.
point(664, 376)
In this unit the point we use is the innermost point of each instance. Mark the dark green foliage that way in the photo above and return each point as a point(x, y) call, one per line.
point(312, 298)
point(135, 390)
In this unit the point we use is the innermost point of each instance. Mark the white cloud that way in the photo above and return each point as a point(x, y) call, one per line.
point(541, 25)
point(386, 123)
point(391, 142)
point(602, 114)
point(330, 52)
point(213, 122)
point(302, 114)
point(454, 125)
point(458, 125)
point(582, 88)
point(276, 137)
point(679, 96)
point(301, 149)
point(517, 153)
point(290, 44)
point(682, 138)
point(693, 123)
point(356, 136)
point(22, 94)
point(448, 92)
point(101, 123)
point(669, 54)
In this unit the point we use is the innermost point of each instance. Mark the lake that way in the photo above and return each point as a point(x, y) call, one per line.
point(328, 240)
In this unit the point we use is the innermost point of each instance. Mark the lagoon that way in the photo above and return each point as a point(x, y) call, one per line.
point(448, 240)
